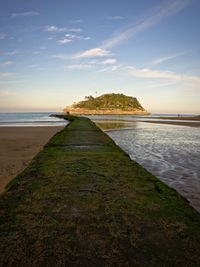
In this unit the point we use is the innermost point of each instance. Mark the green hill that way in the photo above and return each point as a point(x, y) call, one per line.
point(108, 104)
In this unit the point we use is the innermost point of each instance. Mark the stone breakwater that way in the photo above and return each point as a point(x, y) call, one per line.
point(83, 202)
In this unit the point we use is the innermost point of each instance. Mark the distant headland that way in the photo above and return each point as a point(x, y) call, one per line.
point(107, 104)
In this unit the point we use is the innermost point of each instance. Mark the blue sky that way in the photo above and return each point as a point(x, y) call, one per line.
point(54, 53)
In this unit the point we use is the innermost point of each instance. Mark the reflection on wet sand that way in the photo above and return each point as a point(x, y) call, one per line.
point(108, 125)
point(170, 152)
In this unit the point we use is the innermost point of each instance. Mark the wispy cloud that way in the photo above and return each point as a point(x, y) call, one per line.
point(74, 30)
point(160, 13)
point(61, 56)
point(78, 66)
point(11, 53)
point(161, 74)
point(109, 61)
point(68, 38)
point(12, 81)
point(55, 29)
point(109, 69)
point(76, 21)
point(84, 38)
point(2, 35)
point(6, 74)
point(91, 53)
point(166, 58)
point(115, 18)
point(25, 14)
point(6, 63)
point(65, 41)
point(164, 84)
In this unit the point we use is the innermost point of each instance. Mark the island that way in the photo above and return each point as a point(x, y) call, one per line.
point(107, 104)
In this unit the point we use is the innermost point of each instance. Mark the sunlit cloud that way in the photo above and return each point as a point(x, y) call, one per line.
point(161, 12)
point(25, 14)
point(71, 36)
point(53, 29)
point(68, 38)
point(109, 61)
point(65, 41)
point(77, 66)
point(94, 52)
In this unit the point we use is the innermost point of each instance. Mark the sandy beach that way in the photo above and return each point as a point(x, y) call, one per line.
point(18, 145)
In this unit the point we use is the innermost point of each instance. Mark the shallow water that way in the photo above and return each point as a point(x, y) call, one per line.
point(29, 119)
point(170, 152)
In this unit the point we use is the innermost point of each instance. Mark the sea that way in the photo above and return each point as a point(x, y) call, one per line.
point(171, 152)
point(31, 119)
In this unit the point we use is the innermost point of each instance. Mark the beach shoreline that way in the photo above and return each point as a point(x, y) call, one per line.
point(181, 123)
point(18, 146)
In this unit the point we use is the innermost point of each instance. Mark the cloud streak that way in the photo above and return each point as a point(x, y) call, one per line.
point(6, 74)
point(115, 18)
point(109, 61)
point(166, 58)
point(91, 53)
point(55, 29)
point(6, 63)
point(68, 38)
point(11, 53)
point(65, 41)
point(2, 35)
point(25, 14)
point(161, 12)
point(78, 66)
point(161, 74)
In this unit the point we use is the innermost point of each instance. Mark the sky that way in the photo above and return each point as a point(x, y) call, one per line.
point(55, 52)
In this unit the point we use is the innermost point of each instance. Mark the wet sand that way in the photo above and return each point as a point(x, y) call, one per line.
point(182, 123)
point(191, 118)
point(18, 145)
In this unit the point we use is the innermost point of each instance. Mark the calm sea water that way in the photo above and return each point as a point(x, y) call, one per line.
point(30, 119)
point(170, 152)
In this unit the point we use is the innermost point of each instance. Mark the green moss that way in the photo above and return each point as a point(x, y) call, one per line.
point(83, 202)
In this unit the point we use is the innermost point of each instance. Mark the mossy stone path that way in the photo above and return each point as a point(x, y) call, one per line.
point(83, 202)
